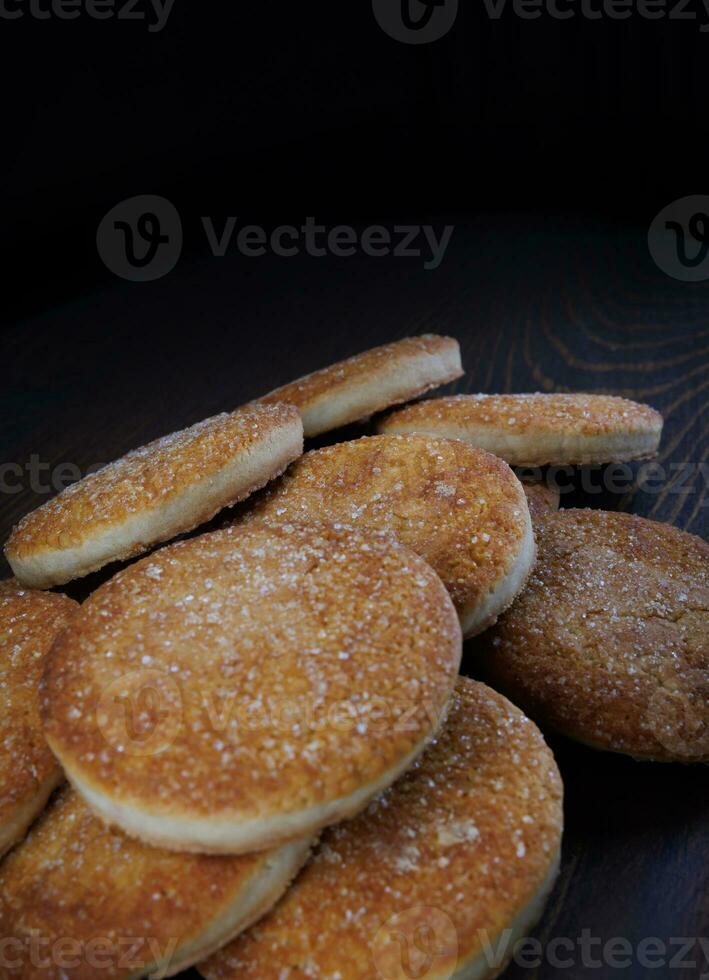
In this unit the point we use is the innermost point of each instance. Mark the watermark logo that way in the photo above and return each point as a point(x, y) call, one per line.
point(595, 10)
point(318, 240)
point(678, 239)
point(419, 942)
point(143, 712)
point(140, 239)
point(415, 21)
point(40, 476)
point(423, 21)
point(587, 952)
point(140, 713)
point(651, 477)
point(36, 953)
point(154, 13)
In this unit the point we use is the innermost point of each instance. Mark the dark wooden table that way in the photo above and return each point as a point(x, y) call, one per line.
point(537, 304)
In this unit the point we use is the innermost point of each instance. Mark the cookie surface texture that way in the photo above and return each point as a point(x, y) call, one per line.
point(30, 621)
point(250, 686)
point(371, 381)
point(536, 429)
point(609, 643)
point(438, 878)
point(80, 900)
point(460, 508)
point(153, 494)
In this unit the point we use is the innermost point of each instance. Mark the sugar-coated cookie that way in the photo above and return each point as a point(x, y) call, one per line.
point(30, 621)
point(460, 508)
point(153, 494)
point(249, 686)
point(371, 381)
point(609, 643)
point(82, 901)
point(535, 429)
point(438, 878)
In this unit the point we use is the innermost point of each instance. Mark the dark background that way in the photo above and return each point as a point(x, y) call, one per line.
point(549, 145)
point(278, 110)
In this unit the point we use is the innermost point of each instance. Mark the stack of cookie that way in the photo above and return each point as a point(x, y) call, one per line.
point(274, 768)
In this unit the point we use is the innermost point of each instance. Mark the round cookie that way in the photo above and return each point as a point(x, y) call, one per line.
point(153, 494)
point(460, 508)
point(250, 686)
point(79, 900)
point(370, 382)
point(541, 498)
point(609, 643)
point(452, 864)
point(29, 623)
point(536, 429)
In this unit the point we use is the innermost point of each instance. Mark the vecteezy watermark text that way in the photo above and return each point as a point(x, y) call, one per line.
point(422, 942)
point(143, 712)
point(676, 10)
point(141, 238)
point(109, 957)
point(650, 477)
point(318, 240)
point(594, 953)
point(153, 12)
point(424, 21)
point(41, 477)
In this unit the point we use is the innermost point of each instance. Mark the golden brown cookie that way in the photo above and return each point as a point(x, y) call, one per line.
point(460, 508)
point(532, 430)
point(29, 623)
point(438, 878)
point(370, 382)
point(153, 494)
point(250, 686)
point(79, 900)
point(609, 643)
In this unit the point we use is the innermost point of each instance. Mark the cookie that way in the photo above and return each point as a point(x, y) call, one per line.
point(370, 382)
point(609, 643)
point(29, 623)
point(438, 878)
point(533, 430)
point(80, 900)
point(460, 508)
point(249, 686)
point(153, 494)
